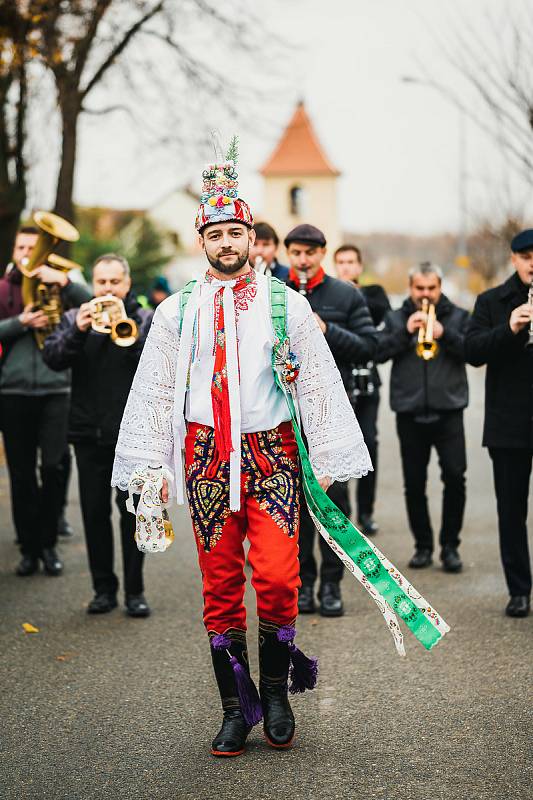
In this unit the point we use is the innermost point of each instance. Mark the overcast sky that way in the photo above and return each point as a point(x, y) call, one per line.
point(396, 144)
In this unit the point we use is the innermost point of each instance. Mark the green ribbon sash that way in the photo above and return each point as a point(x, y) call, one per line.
point(390, 590)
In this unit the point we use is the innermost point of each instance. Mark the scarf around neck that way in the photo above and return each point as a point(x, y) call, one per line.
point(312, 283)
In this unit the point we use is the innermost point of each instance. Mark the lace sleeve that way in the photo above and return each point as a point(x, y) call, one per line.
point(146, 437)
point(336, 445)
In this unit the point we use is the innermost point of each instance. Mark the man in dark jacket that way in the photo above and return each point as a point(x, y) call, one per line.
point(102, 373)
point(264, 252)
point(345, 321)
point(364, 389)
point(34, 409)
point(498, 336)
point(428, 397)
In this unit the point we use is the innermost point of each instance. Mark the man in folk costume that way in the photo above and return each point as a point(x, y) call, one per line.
point(205, 383)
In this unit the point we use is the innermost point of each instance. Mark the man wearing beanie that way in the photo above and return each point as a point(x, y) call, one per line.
point(343, 317)
point(499, 336)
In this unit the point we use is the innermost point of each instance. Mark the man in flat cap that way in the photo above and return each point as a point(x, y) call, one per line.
point(344, 319)
point(498, 336)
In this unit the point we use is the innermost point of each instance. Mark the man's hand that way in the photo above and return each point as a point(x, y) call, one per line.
point(49, 275)
point(84, 318)
point(164, 491)
point(321, 323)
point(416, 321)
point(325, 482)
point(438, 329)
point(33, 319)
point(520, 317)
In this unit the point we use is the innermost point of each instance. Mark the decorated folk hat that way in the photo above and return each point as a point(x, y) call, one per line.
point(220, 201)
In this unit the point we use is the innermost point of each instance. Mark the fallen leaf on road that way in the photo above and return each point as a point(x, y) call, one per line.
point(29, 628)
point(65, 656)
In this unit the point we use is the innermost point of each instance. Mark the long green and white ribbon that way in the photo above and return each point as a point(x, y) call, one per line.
point(389, 589)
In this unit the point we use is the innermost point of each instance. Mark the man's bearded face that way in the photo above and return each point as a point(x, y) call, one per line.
point(227, 246)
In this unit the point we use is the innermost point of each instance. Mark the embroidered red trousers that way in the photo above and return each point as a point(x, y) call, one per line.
point(268, 517)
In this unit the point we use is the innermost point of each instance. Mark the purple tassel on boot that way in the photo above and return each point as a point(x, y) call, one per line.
point(221, 642)
point(304, 671)
point(249, 701)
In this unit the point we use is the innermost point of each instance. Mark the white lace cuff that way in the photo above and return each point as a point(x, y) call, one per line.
point(342, 465)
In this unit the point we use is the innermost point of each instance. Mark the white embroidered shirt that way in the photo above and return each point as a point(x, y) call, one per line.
point(153, 429)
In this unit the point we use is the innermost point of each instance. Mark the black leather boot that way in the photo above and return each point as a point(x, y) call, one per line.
point(274, 662)
point(231, 738)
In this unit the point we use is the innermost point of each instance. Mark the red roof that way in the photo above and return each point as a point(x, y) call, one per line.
point(298, 152)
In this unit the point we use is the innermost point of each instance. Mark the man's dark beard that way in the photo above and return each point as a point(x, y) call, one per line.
point(228, 269)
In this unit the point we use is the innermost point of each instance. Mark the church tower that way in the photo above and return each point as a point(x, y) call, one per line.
point(300, 183)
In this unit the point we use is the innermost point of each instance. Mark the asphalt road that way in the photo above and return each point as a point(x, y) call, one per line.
point(111, 707)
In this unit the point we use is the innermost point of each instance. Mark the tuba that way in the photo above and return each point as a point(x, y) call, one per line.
point(426, 346)
point(109, 316)
point(42, 296)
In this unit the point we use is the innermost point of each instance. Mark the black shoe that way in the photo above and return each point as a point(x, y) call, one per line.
point(52, 564)
point(331, 604)
point(64, 528)
point(102, 603)
point(421, 559)
point(231, 738)
point(451, 562)
point(367, 524)
point(306, 600)
point(278, 719)
point(28, 566)
point(136, 606)
point(518, 606)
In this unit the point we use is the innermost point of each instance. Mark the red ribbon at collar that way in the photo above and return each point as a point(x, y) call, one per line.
point(312, 283)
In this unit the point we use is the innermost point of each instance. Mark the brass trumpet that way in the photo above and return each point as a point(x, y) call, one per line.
point(109, 316)
point(42, 296)
point(426, 346)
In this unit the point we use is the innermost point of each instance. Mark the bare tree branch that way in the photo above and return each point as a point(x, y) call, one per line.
point(120, 47)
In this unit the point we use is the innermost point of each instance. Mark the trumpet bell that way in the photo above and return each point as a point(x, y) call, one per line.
point(124, 333)
point(427, 350)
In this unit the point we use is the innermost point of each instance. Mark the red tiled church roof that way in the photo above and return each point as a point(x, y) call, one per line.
point(298, 152)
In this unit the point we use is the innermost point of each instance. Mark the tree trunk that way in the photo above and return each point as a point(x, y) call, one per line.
point(12, 169)
point(70, 110)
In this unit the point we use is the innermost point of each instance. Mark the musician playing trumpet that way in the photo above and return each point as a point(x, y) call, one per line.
point(34, 408)
point(499, 336)
point(102, 373)
point(428, 391)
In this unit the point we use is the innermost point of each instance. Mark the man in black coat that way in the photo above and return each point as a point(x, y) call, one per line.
point(498, 336)
point(345, 321)
point(364, 389)
point(102, 374)
point(428, 397)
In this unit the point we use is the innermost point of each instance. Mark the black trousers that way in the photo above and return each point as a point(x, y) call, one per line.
point(366, 410)
point(417, 438)
point(512, 471)
point(66, 469)
point(95, 465)
point(33, 425)
point(331, 568)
